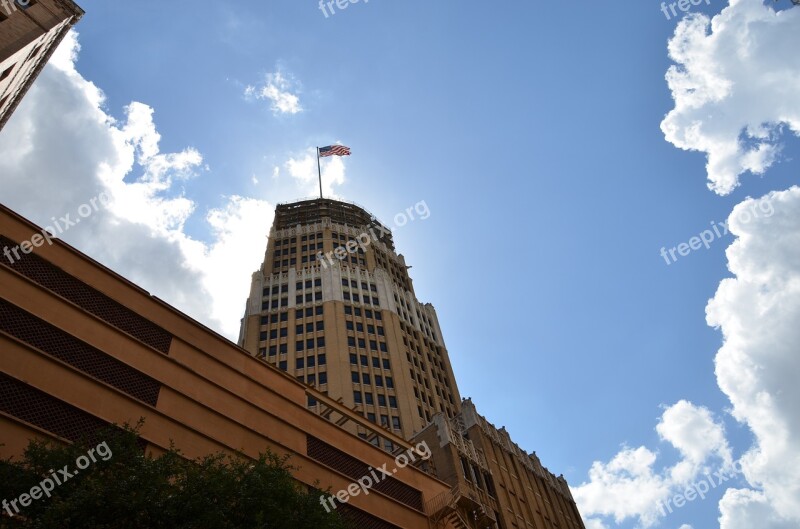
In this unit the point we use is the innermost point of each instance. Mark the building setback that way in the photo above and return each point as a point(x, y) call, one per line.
point(30, 31)
point(495, 482)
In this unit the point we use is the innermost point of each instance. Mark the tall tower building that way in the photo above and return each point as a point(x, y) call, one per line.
point(334, 306)
point(30, 31)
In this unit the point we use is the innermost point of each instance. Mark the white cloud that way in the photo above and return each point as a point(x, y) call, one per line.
point(278, 90)
point(758, 365)
point(631, 487)
point(735, 88)
point(61, 148)
point(303, 169)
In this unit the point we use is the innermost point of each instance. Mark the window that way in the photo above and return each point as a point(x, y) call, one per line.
point(346, 295)
point(298, 299)
point(373, 345)
point(358, 311)
point(322, 359)
point(376, 363)
point(344, 284)
point(393, 402)
point(380, 331)
point(312, 401)
point(365, 378)
point(310, 326)
point(383, 347)
point(371, 417)
point(284, 315)
point(299, 285)
point(323, 378)
point(273, 318)
point(384, 418)
point(348, 309)
point(273, 350)
point(389, 382)
point(356, 298)
point(311, 361)
point(309, 312)
point(284, 332)
point(298, 314)
point(318, 282)
point(353, 359)
point(320, 325)
point(378, 315)
point(311, 380)
point(351, 341)
point(378, 380)
point(310, 343)
point(300, 363)
point(357, 397)
point(317, 296)
point(321, 341)
point(368, 399)
point(386, 363)
point(396, 423)
point(273, 334)
point(283, 348)
point(319, 310)
point(371, 329)
point(262, 336)
point(355, 378)
point(360, 327)
point(364, 360)
point(382, 402)
point(298, 329)
point(282, 365)
point(308, 283)
point(376, 302)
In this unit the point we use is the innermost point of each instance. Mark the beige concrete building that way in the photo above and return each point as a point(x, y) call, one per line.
point(30, 31)
point(495, 483)
point(333, 305)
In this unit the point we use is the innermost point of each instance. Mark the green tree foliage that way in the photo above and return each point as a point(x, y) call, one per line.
point(132, 490)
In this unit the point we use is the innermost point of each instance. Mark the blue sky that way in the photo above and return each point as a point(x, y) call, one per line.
point(533, 131)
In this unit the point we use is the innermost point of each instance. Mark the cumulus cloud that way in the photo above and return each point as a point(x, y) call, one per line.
point(758, 365)
point(735, 88)
point(280, 90)
point(303, 168)
point(631, 486)
point(61, 149)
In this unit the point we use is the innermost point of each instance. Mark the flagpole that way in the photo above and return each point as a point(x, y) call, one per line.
point(319, 172)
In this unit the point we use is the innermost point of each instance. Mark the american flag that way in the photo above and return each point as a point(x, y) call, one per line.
point(334, 150)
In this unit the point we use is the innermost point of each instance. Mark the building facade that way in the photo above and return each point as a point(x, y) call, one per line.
point(83, 348)
point(332, 285)
point(495, 483)
point(30, 31)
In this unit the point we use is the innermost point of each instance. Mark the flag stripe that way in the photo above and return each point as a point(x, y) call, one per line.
point(334, 150)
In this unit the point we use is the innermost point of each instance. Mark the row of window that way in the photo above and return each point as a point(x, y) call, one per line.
point(348, 310)
point(360, 327)
point(364, 378)
point(364, 361)
point(367, 398)
point(362, 344)
point(357, 298)
point(354, 284)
